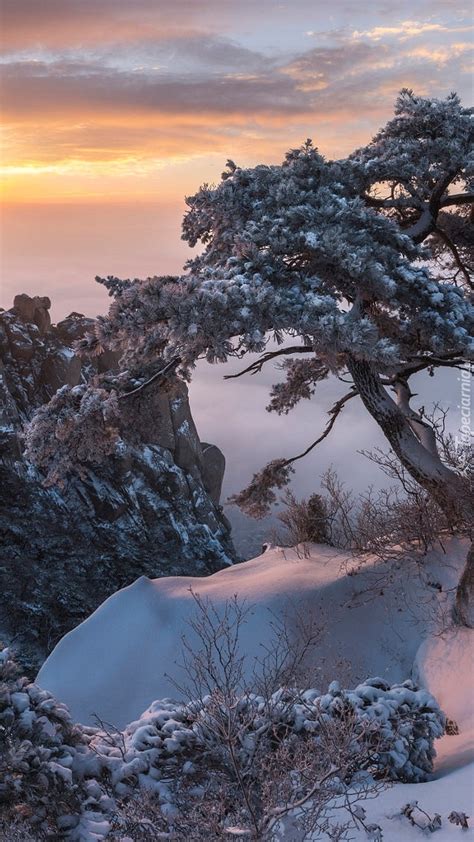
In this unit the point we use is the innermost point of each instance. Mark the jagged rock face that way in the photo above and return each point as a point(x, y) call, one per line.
point(152, 509)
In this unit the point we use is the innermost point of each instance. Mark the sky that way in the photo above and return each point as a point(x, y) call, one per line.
point(114, 111)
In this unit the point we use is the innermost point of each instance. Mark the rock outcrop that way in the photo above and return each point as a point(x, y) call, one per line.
point(152, 509)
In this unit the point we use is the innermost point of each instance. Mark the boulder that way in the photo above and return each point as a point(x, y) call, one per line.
point(33, 310)
point(73, 327)
point(213, 470)
point(147, 417)
point(61, 368)
point(21, 344)
point(188, 450)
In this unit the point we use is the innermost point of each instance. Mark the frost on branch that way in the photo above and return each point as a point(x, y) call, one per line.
point(301, 379)
point(258, 497)
point(79, 426)
point(290, 248)
point(426, 139)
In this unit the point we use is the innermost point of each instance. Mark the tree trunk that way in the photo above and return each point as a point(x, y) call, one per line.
point(450, 491)
point(464, 608)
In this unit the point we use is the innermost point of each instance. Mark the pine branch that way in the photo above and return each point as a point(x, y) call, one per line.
point(257, 365)
point(427, 220)
point(452, 360)
point(334, 412)
point(458, 199)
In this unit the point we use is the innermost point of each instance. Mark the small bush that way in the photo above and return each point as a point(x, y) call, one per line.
point(305, 521)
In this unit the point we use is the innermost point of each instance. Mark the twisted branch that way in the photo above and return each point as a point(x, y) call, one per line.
point(257, 365)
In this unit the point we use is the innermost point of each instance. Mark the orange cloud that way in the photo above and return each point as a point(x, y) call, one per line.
point(440, 55)
point(407, 29)
point(159, 111)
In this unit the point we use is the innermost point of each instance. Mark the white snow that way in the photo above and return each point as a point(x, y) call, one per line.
point(117, 662)
point(374, 622)
point(453, 791)
point(445, 666)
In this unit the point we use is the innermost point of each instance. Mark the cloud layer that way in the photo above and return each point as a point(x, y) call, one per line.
point(104, 88)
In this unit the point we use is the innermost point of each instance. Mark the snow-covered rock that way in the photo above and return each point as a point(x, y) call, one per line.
point(151, 508)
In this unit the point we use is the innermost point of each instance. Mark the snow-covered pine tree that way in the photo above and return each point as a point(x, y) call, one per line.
point(365, 262)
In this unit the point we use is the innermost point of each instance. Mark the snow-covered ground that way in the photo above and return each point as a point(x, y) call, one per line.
point(445, 665)
point(371, 623)
point(391, 621)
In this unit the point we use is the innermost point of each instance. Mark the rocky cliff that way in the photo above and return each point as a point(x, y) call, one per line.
point(152, 509)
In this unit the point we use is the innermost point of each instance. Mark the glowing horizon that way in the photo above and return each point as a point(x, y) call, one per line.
point(104, 102)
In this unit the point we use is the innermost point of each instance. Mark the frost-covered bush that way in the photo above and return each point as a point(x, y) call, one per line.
point(79, 427)
point(320, 752)
point(406, 721)
point(400, 721)
point(44, 761)
point(61, 780)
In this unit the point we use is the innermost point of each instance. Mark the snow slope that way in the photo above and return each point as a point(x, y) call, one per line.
point(372, 623)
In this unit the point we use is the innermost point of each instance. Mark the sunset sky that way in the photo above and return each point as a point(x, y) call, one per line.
point(113, 111)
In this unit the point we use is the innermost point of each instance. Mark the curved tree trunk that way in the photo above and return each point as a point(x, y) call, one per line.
point(450, 491)
point(464, 609)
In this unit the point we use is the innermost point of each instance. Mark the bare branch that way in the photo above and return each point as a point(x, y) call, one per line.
point(171, 366)
point(333, 413)
point(454, 199)
point(375, 202)
point(257, 365)
point(458, 199)
point(457, 257)
point(408, 368)
point(259, 495)
point(427, 220)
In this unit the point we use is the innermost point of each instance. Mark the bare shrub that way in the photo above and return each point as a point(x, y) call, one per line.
point(388, 522)
point(247, 755)
point(260, 764)
point(265, 772)
point(293, 780)
point(457, 454)
point(305, 521)
point(385, 523)
point(219, 664)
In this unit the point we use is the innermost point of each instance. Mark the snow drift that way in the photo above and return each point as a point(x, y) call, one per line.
point(371, 622)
